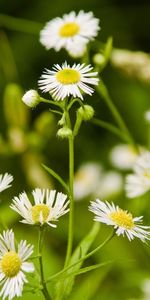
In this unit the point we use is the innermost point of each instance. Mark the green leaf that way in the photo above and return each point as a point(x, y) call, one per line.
point(87, 269)
point(56, 176)
point(64, 288)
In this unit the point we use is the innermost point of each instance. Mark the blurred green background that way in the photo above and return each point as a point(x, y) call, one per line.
point(28, 137)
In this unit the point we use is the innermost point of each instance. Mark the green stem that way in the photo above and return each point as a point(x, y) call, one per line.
point(71, 213)
point(82, 259)
point(71, 191)
point(102, 90)
point(43, 284)
point(50, 102)
point(21, 25)
point(110, 128)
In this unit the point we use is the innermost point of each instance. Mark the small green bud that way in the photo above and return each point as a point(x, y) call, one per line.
point(31, 98)
point(86, 113)
point(99, 59)
point(64, 132)
point(62, 121)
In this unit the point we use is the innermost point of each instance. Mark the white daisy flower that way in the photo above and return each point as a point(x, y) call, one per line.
point(138, 183)
point(123, 156)
point(122, 220)
point(13, 265)
point(71, 32)
point(65, 80)
point(5, 181)
point(48, 207)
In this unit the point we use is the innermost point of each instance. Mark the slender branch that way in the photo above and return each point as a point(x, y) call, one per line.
point(82, 259)
point(102, 90)
point(71, 213)
point(71, 190)
point(43, 284)
point(110, 128)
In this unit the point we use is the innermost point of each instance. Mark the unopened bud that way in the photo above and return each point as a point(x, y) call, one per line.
point(64, 132)
point(31, 98)
point(86, 112)
point(99, 59)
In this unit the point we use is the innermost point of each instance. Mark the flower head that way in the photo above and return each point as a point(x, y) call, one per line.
point(65, 80)
point(48, 207)
point(138, 183)
point(13, 265)
point(31, 98)
point(71, 32)
point(122, 220)
point(5, 181)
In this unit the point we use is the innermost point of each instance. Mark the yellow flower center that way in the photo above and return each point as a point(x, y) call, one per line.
point(38, 210)
point(69, 29)
point(11, 264)
point(122, 218)
point(68, 76)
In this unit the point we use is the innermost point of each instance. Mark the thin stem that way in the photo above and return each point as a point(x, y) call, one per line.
point(71, 213)
point(71, 192)
point(50, 102)
point(82, 259)
point(43, 284)
point(74, 101)
point(102, 90)
point(110, 128)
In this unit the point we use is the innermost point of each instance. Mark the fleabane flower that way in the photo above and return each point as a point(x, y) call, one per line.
point(71, 32)
point(138, 183)
point(65, 80)
point(47, 208)
point(5, 181)
point(13, 265)
point(122, 221)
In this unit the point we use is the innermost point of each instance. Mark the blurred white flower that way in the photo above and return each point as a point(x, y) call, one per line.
point(71, 32)
point(5, 181)
point(31, 98)
point(64, 81)
point(48, 207)
point(110, 185)
point(147, 116)
point(123, 156)
point(86, 180)
point(13, 265)
point(138, 183)
point(122, 220)
point(146, 289)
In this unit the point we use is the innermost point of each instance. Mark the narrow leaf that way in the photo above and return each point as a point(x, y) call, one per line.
point(56, 176)
point(65, 287)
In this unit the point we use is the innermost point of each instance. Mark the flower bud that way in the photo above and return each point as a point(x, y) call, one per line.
point(64, 132)
point(99, 59)
point(31, 98)
point(86, 112)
